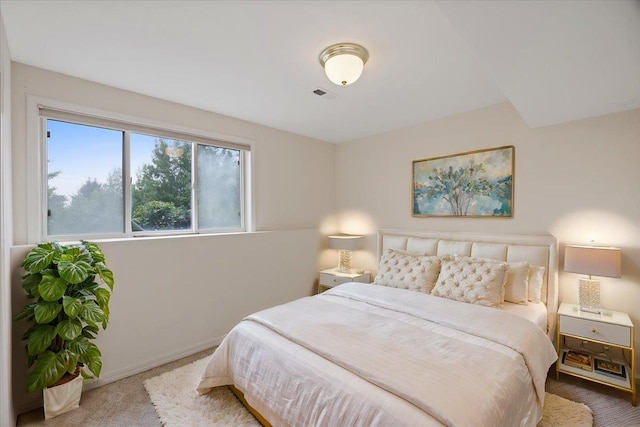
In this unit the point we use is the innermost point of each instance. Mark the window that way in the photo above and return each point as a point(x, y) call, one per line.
point(84, 176)
point(107, 178)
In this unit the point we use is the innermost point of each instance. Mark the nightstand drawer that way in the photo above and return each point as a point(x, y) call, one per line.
point(333, 280)
point(594, 330)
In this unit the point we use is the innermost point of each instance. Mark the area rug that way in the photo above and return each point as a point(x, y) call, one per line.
point(177, 403)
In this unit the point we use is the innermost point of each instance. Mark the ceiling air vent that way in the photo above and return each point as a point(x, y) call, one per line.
point(324, 93)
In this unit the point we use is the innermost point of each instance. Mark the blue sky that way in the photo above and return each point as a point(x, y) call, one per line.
point(82, 152)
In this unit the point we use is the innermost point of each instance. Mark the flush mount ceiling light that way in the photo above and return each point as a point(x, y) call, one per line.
point(343, 62)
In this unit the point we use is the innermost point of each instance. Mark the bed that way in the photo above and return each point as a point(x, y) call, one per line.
point(434, 341)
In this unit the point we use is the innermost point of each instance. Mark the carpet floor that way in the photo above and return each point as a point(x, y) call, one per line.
point(126, 402)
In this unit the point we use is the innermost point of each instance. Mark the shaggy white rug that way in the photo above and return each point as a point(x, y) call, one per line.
point(561, 412)
point(177, 403)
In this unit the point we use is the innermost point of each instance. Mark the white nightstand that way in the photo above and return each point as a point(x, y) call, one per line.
point(330, 278)
point(607, 337)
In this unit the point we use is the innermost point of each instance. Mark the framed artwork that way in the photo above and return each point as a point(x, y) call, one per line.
point(610, 368)
point(473, 184)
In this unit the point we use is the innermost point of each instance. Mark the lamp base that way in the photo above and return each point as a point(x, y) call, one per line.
point(344, 261)
point(589, 295)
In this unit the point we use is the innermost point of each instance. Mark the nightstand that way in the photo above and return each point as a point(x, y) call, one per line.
point(604, 341)
point(330, 278)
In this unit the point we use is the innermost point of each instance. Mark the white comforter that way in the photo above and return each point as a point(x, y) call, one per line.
point(363, 355)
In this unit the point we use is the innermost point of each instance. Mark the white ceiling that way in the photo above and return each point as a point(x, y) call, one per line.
point(258, 60)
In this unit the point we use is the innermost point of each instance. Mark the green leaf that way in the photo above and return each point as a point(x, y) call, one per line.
point(74, 272)
point(102, 298)
point(92, 359)
point(38, 258)
point(27, 312)
point(89, 354)
point(106, 312)
point(91, 313)
point(71, 361)
point(30, 360)
point(90, 331)
point(72, 306)
point(40, 338)
point(46, 311)
point(76, 254)
point(80, 347)
point(95, 251)
point(48, 369)
point(84, 292)
point(69, 329)
point(105, 274)
point(30, 282)
point(52, 288)
point(89, 284)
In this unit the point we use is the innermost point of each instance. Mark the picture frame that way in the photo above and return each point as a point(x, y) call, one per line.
point(609, 368)
point(473, 184)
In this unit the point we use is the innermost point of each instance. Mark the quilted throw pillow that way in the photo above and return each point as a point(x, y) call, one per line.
point(407, 270)
point(473, 280)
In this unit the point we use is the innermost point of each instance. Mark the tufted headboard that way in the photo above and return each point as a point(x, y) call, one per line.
point(538, 250)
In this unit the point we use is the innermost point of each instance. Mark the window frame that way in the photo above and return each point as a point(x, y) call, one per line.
point(40, 109)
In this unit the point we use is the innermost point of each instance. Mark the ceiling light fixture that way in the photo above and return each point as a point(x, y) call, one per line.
point(343, 62)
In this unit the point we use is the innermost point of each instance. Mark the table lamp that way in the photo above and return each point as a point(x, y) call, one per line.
point(345, 243)
point(592, 261)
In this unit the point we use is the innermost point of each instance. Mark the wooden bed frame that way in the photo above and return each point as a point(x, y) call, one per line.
point(537, 249)
point(240, 396)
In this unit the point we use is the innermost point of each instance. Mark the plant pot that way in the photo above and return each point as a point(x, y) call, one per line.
point(62, 398)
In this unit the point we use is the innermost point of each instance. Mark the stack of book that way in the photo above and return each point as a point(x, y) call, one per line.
point(578, 360)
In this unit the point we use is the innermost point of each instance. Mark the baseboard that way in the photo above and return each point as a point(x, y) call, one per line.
point(150, 364)
point(36, 400)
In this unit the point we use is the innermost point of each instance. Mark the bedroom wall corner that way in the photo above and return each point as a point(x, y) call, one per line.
point(176, 295)
point(166, 306)
point(7, 411)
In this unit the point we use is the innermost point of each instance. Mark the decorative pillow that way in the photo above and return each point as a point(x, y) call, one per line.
point(407, 270)
point(473, 280)
point(516, 288)
point(536, 279)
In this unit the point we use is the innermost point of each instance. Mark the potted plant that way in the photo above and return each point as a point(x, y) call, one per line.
point(68, 288)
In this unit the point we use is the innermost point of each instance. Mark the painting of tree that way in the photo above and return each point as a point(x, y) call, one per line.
point(473, 184)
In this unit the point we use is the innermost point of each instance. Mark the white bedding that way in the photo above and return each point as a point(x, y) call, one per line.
point(414, 359)
point(535, 312)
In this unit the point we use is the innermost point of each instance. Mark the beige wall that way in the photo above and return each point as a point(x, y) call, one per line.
point(7, 415)
point(579, 181)
point(293, 174)
point(176, 296)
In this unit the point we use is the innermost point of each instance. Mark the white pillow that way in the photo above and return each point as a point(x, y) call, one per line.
point(516, 288)
point(473, 280)
point(536, 279)
point(407, 270)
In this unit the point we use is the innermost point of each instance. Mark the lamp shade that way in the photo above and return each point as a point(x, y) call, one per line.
point(593, 260)
point(345, 242)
